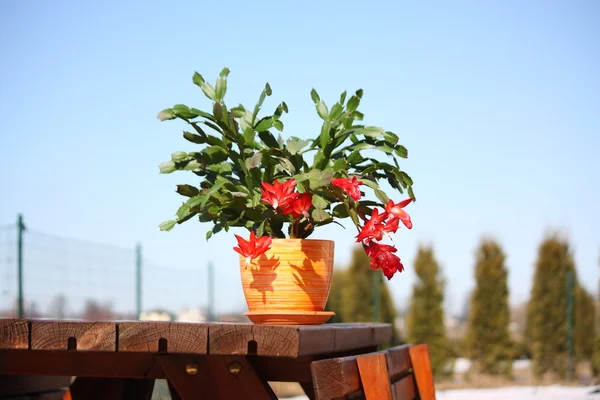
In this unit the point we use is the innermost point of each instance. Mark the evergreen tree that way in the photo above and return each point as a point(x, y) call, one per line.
point(357, 293)
point(425, 320)
point(585, 324)
point(546, 313)
point(488, 337)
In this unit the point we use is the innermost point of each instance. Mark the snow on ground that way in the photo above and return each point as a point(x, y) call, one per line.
point(515, 393)
point(521, 393)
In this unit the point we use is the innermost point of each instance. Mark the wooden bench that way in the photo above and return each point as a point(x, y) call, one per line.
point(399, 373)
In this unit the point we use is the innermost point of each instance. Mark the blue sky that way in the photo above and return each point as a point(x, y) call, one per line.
point(498, 104)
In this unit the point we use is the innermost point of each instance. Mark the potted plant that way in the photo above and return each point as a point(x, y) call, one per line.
point(281, 190)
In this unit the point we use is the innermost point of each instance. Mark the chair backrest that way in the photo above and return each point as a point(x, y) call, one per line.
point(398, 373)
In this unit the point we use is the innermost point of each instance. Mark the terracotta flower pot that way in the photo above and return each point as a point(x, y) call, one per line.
point(290, 283)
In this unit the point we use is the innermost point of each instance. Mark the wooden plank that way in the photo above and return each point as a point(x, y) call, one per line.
point(294, 341)
point(83, 336)
point(357, 335)
point(335, 377)
point(374, 378)
point(188, 338)
point(11, 385)
point(14, 333)
point(404, 389)
point(398, 361)
point(283, 369)
point(283, 341)
point(74, 363)
point(419, 357)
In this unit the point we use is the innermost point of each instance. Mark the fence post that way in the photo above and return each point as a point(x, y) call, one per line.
point(570, 285)
point(20, 229)
point(138, 280)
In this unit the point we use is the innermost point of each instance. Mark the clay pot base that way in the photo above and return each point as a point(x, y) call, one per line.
point(289, 317)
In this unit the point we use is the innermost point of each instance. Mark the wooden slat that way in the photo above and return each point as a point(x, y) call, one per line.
point(178, 337)
point(374, 376)
point(24, 384)
point(335, 377)
point(294, 341)
point(89, 336)
point(75, 363)
point(398, 361)
point(14, 333)
point(404, 389)
point(419, 357)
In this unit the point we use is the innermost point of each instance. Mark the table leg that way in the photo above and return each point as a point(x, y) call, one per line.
point(215, 377)
point(308, 389)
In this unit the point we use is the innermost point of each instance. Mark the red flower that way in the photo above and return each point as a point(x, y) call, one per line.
point(373, 228)
point(382, 258)
point(279, 195)
point(397, 212)
point(299, 206)
point(254, 247)
point(350, 186)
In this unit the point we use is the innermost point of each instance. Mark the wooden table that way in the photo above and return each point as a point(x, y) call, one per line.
point(200, 361)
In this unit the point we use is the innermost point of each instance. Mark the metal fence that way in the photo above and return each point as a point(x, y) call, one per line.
point(48, 276)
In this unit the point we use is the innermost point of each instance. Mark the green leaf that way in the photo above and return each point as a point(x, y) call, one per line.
point(343, 97)
point(183, 111)
point(370, 131)
point(167, 167)
point(198, 79)
point(268, 90)
point(209, 91)
point(355, 157)
point(191, 165)
point(319, 202)
point(336, 111)
point(325, 136)
point(354, 216)
point(220, 89)
point(340, 211)
point(239, 111)
point(315, 96)
point(254, 161)
point(166, 114)
point(352, 104)
point(369, 183)
point(359, 93)
point(340, 165)
point(179, 155)
point(196, 200)
point(294, 144)
point(192, 137)
point(317, 178)
point(187, 190)
point(382, 196)
point(411, 193)
point(264, 124)
point(217, 154)
point(167, 225)
point(224, 72)
point(287, 165)
point(391, 138)
point(320, 215)
point(322, 110)
point(401, 151)
point(278, 125)
point(269, 139)
point(209, 234)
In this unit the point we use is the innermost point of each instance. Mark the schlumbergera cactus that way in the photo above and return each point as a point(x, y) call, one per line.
point(269, 185)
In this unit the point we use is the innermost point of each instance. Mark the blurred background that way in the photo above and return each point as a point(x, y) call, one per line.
point(498, 104)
